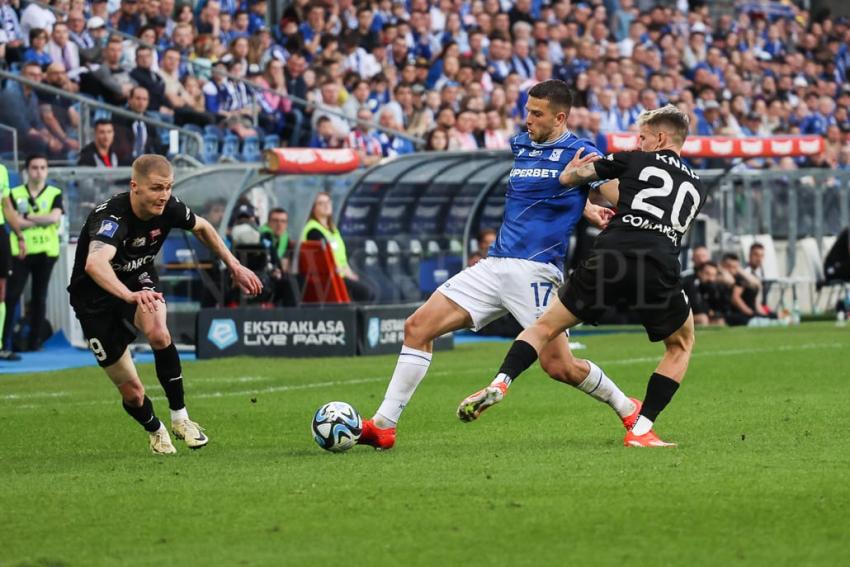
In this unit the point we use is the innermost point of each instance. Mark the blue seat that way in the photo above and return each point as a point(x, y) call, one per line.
point(194, 128)
point(230, 147)
point(251, 149)
point(215, 131)
point(209, 153)
point(271, 141)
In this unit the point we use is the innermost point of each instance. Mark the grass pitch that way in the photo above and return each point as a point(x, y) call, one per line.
point(761, 477)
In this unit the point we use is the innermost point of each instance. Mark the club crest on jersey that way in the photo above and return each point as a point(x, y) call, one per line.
point(138, 242)
point(154, 234)
point(556, 154)
point(107, 228)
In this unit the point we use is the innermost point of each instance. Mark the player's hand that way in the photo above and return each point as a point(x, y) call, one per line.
point(247, 280)
point(22, 249)
point(148, 300)
point(578, 161)
point(598, 216)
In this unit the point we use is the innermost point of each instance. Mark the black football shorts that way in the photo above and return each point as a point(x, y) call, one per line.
point(108, 333)
point(651, 288)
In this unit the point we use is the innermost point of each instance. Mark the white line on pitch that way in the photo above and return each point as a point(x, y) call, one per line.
point(295, 387)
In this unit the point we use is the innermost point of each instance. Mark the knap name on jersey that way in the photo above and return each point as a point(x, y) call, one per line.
point(673, 162)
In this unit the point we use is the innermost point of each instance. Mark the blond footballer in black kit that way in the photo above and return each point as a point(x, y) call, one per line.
point(114, 292)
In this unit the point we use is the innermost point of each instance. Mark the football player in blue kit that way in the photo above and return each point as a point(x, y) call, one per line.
point(520, 276)
point(636, 258)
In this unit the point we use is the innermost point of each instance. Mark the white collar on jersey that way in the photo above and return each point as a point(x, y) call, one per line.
point(566, 135)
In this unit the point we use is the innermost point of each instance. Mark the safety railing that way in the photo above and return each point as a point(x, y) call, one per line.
point(192, 142)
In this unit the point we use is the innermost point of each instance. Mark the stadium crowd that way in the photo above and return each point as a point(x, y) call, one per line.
point(451, 73)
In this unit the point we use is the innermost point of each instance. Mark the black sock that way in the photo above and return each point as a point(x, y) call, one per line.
point(659, 392)
point(170, 375)
point(144, 415)
point(520, 356)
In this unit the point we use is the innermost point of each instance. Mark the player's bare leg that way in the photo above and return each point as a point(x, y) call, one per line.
point(438, 316)
point(123, 374)
point(169, 372)
point(662, 385)
point(546, 337)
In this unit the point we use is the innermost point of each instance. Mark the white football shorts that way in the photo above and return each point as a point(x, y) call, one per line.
point(495, 286)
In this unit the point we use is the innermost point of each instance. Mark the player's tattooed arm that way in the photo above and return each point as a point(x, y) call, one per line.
point(99, 268)
point(580, 170)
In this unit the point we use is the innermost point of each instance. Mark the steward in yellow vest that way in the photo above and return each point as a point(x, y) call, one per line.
point(321, 227)
point(39, 208)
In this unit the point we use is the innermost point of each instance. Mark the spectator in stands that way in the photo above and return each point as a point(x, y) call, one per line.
point(134, 136)
point(358, 98)
point(144, 76)
point(229, 100)
point(35, 16)
point(194, 96)
point(321, 226)
point(392, 144)
point(62, 50)
point(11, 34)
point(87, 36)
point(437, 140)
point(273, 100)
point(40, 213)
point(58, 113)
point(37, 51)
point(331, 109)
point(495, 135)
point(128, 20)
point(112, 81)
point(363, 140)
point(462, 136)
point(177, 97)
point(19, 108)
point(100, 152)
point(325, 135)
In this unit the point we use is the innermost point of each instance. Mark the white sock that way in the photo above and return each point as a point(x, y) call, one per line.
point(179, 414)
point(597, 385)
point(409, 372)
point(501, 378)
point(642, 426)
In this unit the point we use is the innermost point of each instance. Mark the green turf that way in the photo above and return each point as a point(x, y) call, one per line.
point(762, 475)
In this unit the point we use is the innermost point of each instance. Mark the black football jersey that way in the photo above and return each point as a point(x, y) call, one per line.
point(659, 198)
point(137, 243)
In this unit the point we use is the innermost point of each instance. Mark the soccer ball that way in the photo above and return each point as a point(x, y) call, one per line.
point(337, 426)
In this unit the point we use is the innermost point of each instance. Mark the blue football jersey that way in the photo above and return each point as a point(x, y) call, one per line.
point(540, 213)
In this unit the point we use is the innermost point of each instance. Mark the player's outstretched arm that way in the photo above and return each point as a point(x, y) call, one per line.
point(580, 170)
point(247, 280)
point(99, 268)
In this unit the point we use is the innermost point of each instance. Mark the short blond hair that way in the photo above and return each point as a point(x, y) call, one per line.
point(146, 164)
point(668, 117)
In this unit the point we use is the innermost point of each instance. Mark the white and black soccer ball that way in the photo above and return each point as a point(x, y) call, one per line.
point(337, 426)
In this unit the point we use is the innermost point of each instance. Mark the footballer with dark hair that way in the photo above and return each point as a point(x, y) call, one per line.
point(636, 257)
